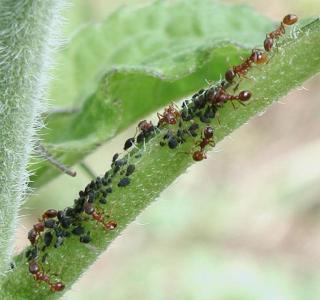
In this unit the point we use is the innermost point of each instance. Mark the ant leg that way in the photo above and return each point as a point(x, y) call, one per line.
point(218, 118)
point(234, 107)
point(243, 104)
point(236, 87)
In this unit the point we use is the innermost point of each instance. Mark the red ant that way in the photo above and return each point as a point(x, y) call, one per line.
point(89, 209)
point(207, 139)
point(272, 36)
point(170, 116)
point(39, 227)
point(145, 126)
point(49, 214)
point(221, 96)
point(257, 57)
point(34, 269)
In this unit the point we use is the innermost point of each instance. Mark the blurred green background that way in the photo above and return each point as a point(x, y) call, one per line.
point(244, 224)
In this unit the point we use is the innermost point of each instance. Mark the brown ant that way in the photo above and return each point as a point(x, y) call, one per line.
point(257, 57)
point(207, 139)
point(34, 269)
point(274, 35)
point(221, 96)
point(40, 226)
point(145, 126)
point(170, 116)
point(49, 214)
point(90, 210)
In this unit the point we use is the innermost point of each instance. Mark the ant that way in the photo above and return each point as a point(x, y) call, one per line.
point(170, 116)
point(221, 96)
point(272, 36)
point(40, 226)
point(146, 128)
point(34, 269)
point(257, 57)
point(207, 139)
point(89, 210)
point(49, 214)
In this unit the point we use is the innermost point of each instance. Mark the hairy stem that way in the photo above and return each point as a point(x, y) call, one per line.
point(27, 37)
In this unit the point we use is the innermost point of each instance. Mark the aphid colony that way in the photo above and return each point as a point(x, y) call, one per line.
point(54, 227)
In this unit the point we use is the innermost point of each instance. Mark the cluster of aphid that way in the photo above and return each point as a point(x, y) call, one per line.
point(55, 226)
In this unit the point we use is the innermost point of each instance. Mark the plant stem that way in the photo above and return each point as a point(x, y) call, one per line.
point(27, 38)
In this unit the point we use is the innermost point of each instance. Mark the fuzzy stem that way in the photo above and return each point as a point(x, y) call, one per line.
point(27, 38)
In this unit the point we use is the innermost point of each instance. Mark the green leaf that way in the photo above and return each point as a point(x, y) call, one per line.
point(296, 59)
point(148, 57)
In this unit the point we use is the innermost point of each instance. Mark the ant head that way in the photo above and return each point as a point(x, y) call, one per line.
point(259, 57)
point(230, 75)
point(171, 119)
point(244, 96)
point(290, 19)
point(33, 267)
point(142, 124)
point(208, 132)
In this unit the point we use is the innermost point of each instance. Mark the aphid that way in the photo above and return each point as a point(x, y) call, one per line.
point(172, 142)
point(115, 157)
point(109, 190)
point(129, 143)
point(49, 223)
point(222, 96)
point(85, 239)
point(130, 170)
point(170, 115)
point(186, 115)
point(124, 182)
point(193, 128)
point(288, 20)
point(103, 200)
point(120, 162)
point(256, 57)
point(79, 230)
point(47, 238)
